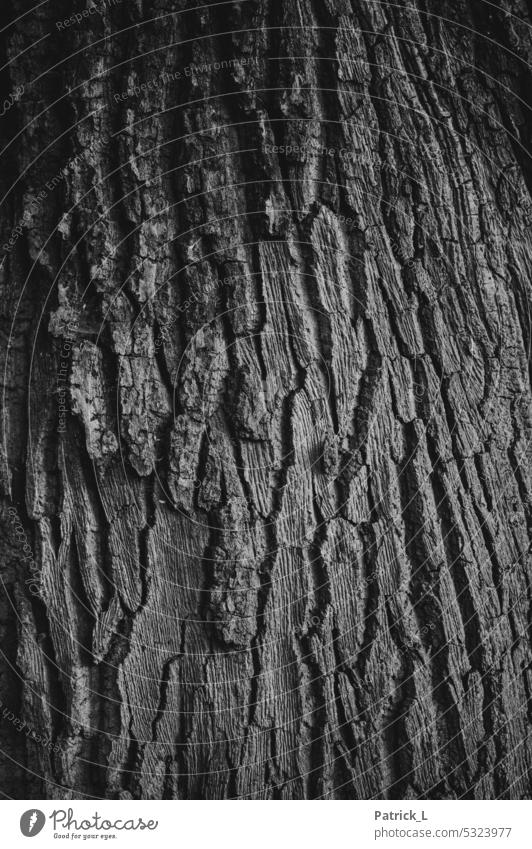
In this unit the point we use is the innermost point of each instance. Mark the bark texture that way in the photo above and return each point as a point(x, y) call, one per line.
point(267, 415)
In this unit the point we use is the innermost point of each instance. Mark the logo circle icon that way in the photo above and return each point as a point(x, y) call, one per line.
point(32, 822)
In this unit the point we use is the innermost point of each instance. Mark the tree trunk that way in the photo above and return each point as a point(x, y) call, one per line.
point(267, 401)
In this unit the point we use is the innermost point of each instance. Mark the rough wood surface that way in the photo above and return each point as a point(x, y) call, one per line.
point(266, 415)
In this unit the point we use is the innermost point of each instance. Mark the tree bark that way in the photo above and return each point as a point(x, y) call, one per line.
point(267, 400)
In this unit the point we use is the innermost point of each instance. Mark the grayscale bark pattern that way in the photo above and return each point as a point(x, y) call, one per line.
point(281, 537)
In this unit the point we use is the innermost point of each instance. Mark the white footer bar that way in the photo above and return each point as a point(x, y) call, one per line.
point(267, 825)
